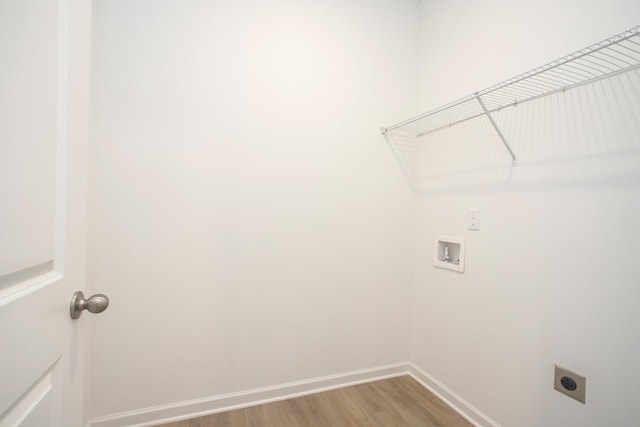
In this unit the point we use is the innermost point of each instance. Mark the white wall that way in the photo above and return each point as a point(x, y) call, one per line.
point(252, 228)
point(248, 222)
point(550, 277)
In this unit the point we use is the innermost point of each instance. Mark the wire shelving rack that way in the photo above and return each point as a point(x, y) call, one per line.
point(615, 55)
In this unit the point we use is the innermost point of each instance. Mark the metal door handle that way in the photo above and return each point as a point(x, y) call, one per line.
point(95, 304)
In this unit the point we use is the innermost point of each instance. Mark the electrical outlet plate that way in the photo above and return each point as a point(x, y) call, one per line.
point(580, 383)
point(473, 219)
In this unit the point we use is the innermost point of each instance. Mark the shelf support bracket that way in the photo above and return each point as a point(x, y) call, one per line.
point(495, 126)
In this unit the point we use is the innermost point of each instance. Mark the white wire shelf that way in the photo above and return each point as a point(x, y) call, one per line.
point(615, 55)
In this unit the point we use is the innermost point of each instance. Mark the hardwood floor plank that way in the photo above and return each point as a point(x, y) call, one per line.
point(395, 402)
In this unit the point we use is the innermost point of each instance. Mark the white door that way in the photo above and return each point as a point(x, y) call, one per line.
point(44, 75)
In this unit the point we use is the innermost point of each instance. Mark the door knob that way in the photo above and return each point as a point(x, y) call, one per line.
point(95, 304)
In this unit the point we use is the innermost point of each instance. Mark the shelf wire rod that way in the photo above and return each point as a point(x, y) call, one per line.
point(537, 82)
point(505, 96)
point(613, 58)
point(533, 98)
point(448, 125)
point(427, 114)
point(517, 97)
point(624, 48)
point(465, 109)
point(436, 111)
point(592, 80)
point(550, 79)
point(448, 121)
point(626, 35)
point(592, 72)
point(601, 64)
point(534, 84)
point(586, 82)
point(523, 91)
point(565, 82)
point(513, 98)
point(591, 49)
point(509, 95)
point(636, 52)
point(465, 104)
point(563, 73)
point(495, 126)
point(633, 41)
point(622, 54)
point(580, 72)
point(593, 62)
point(502, 100)
point(554, 80)
point(453, 111)
point(453, 118)
point(521, 88)
point(578, 84)
point(495, 107)
point(530, 85)
point(570, 77)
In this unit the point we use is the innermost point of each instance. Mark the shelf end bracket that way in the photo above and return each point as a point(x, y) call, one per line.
point(495, 126)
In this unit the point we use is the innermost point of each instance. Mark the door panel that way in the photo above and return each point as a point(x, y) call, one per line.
point(32, 326)
point(36, 407)
point(43, 136)
point(29, 49)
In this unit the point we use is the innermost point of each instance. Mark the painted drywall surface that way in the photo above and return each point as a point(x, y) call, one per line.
point(467, 47)
point(248, 222)
point(550, 276)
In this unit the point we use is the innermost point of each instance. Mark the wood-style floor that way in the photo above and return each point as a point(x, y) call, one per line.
point(395, 402)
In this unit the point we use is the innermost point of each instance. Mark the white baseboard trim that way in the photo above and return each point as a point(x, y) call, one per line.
point(457, 403)
point(227, 402)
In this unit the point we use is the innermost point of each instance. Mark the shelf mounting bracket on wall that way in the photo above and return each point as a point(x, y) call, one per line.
point(495, 126)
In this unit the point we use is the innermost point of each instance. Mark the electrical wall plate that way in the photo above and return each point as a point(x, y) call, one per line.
point(569, 383)
point(473, 219)
point(449, 253)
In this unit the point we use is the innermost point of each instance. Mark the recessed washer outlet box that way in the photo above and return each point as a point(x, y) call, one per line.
point(449, 253)
point(569, 383)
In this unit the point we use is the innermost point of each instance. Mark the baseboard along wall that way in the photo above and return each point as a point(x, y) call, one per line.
point(227, 402)
point(452, 399)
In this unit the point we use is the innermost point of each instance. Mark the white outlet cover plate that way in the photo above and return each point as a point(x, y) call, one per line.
point(473, 222)
point(579, 393)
